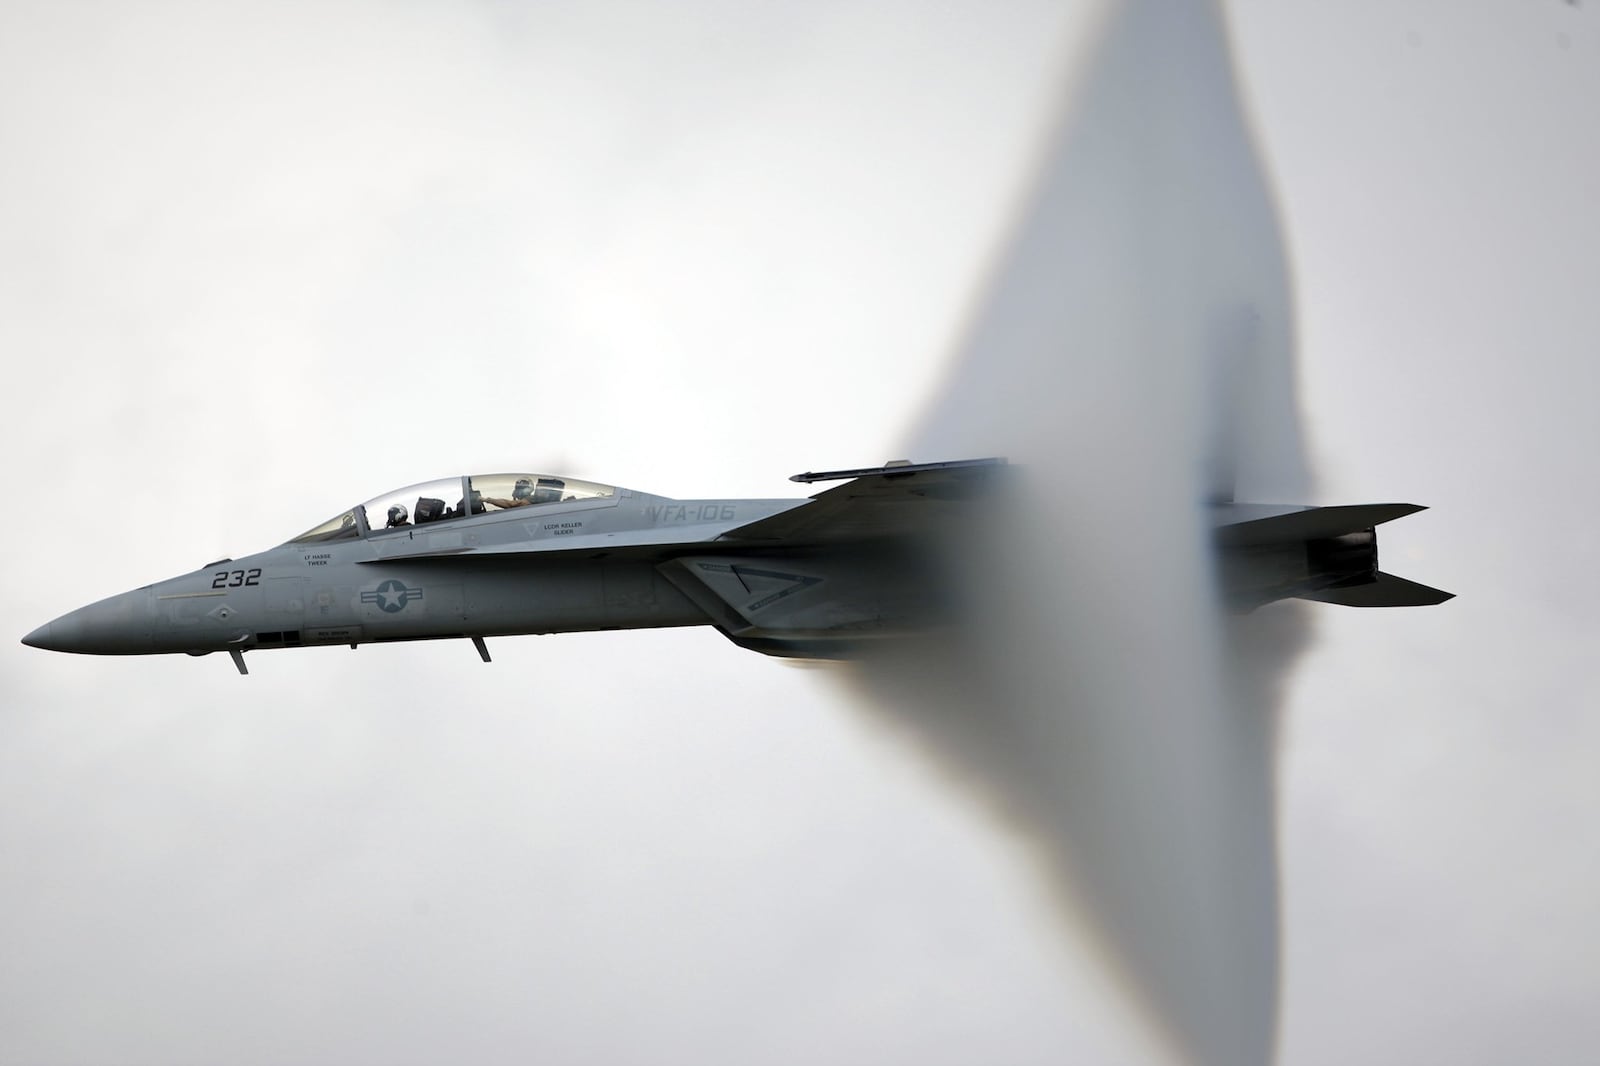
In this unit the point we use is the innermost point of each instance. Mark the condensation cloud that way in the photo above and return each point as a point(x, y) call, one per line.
point(1132, 354)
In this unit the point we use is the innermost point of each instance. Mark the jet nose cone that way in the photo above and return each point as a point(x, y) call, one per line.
point(119, 625)
point(64, 634)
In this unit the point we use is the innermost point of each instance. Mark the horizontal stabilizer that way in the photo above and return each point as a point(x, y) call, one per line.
point(1243, 525)
point(1386, 591)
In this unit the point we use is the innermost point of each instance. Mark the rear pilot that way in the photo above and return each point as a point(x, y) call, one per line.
point(521, 495)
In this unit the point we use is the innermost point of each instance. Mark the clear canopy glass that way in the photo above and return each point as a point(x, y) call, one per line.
point(446, 499)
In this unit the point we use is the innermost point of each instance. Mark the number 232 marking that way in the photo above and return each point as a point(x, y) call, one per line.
point(232, 579)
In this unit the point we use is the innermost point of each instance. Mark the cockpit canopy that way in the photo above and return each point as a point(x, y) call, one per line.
point(447, 499)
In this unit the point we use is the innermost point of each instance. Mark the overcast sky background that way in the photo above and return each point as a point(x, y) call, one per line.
point(255, 266)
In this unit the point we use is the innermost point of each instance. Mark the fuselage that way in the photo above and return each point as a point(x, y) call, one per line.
point(555, 566)
point(882, 556)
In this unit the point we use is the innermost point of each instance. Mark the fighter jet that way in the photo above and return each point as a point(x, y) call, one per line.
point(488, 555)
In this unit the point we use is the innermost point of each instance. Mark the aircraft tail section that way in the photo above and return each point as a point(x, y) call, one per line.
point(1247, 524)
point(1328, 554)
point(1384, 590)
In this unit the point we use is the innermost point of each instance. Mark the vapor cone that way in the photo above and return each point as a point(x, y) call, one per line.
point(1132, 355)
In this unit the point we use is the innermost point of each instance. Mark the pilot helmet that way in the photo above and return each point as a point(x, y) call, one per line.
point(523, 489)
point(398, 514)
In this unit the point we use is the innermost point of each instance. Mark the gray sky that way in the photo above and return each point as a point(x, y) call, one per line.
point(258, 266)
point(1438, 830)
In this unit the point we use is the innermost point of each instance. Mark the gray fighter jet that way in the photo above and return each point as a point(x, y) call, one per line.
point(500, 554)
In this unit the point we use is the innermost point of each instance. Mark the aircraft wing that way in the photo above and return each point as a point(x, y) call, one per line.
point(878, 501)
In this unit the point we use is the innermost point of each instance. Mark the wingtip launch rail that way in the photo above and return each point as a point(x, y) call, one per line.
point(895, 468)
